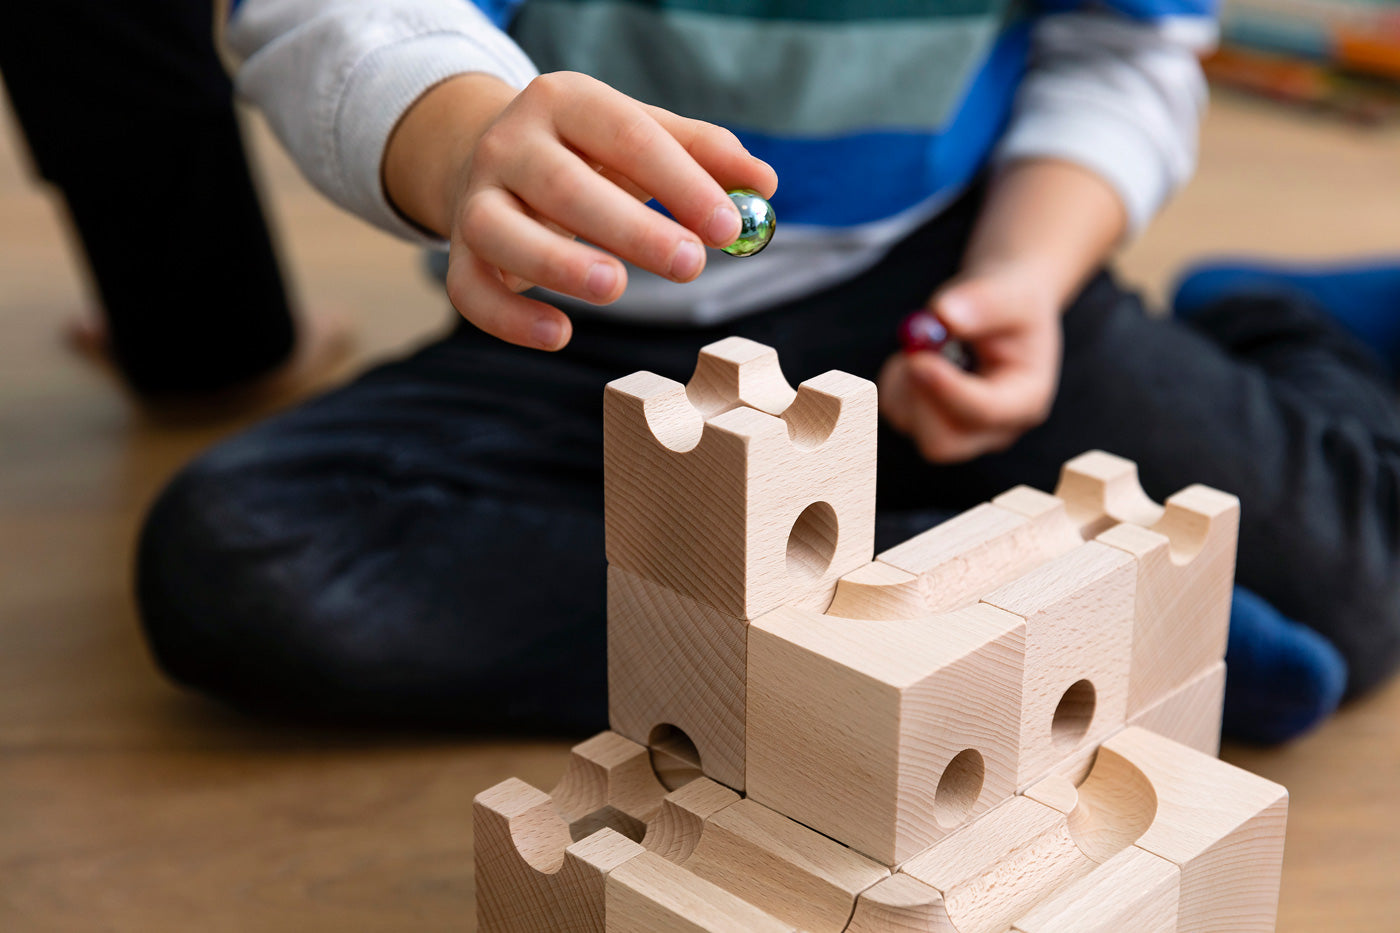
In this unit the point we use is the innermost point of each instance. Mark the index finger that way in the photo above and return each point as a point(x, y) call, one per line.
point(1003, 397)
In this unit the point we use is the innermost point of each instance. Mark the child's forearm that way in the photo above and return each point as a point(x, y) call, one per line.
point(432, 142)
point(1051, 218)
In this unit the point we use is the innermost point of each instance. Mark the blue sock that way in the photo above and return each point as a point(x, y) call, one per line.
point(1363, 297)
point(1283, 678)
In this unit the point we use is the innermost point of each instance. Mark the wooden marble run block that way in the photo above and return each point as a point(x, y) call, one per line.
point(648, 894)
point(900, 904)
point(782, 867)
point(1186, 567)
point(529, 875)
point(676, 662)
point(1190, 714)
point(958, 561)
point(1222, 826)
point(716, 492)
point(884, 735)
point(1133, 891)
point(676, 829)
point(1078, 611)
point(541, 858)
point(995, 869)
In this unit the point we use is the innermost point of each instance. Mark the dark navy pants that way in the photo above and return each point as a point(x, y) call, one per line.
point(425, 545)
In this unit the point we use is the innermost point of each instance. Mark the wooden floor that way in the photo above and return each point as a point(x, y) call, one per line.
point(128, 805)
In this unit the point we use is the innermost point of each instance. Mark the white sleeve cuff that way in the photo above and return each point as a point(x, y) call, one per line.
point(1117, 151)
point(375, 96)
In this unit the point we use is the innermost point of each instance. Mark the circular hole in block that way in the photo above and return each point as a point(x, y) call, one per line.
point(812, 542)
point(959, 788)
point(674, 757)
point(1073, 714)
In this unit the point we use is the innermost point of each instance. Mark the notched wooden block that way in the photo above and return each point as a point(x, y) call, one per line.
point(736, 506)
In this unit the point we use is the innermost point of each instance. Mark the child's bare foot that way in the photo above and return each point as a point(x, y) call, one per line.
point(324, 341)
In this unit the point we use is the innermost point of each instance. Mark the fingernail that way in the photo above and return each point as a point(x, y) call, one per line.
point(686, 261)
point(723, 227)
point(602, 278)
point(546, 333)
point(955, 310)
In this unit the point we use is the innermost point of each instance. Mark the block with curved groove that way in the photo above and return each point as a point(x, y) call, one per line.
point(1134, 891)
point(731, 505)
point(958, 561)
point(1223, 827)
point(1101, 489)
point(782, 867)
point(1186, 572)
point(530, 876)
point(900, 904)
point(675, 831)
point(541, 858)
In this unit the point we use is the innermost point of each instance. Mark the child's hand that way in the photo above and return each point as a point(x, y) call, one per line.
point(566, 157)
point(1046, 226)
point(1012, 325)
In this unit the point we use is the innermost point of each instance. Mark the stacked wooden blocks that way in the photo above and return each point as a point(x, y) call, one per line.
point(1006, 723)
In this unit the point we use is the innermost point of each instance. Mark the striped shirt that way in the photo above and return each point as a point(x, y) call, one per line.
point(874, 113)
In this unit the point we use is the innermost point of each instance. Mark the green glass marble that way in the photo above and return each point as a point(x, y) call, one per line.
point(757, 223)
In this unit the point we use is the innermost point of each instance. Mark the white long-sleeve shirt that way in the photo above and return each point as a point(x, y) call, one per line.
point(875, 114)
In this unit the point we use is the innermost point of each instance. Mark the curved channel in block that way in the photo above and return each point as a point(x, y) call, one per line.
point(1115, 805)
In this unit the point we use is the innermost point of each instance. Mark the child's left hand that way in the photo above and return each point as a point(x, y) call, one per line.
point(1012, 325)
point(1046, 226)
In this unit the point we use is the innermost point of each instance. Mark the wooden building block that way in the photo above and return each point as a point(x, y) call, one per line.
point(997, 868)
point(651, 895)
point(958, 561)
point(675, 830)
point(1186, 572)
point(796, 875)
point(1101, 490)
point(733, 506)
point(541, 858)
point(1078, 610)
point(900, 904)
point(1222, 826)
point(529, 875)
point(884, 735)
point(1191, 713)
point(674, 661)
point(1133, 891)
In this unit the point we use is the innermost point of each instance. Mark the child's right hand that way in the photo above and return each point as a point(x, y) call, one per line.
point(511, 179)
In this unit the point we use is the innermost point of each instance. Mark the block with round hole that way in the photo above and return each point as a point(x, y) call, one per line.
point(884, 734)
point(1078, 611)
point(735, 490)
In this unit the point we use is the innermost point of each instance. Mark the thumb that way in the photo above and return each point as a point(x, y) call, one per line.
point(972, 309)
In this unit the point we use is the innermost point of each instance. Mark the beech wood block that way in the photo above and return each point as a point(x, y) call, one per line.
point(1191, 713)
point(900, 904)
point(1101, 490)
point(1133, 891)
point(651, 895)
point(530, 876)
point(1222, 826)
point(995, 869)
point(958, 561)
point(789, 871)
point(675, 830)
point(1078, 610)
point(1186, 573)
point(884, 735)
point(734, 506)
point(541, 858)
point(675, 661)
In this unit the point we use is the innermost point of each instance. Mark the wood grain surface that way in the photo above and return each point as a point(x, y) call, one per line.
point(126, 804)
